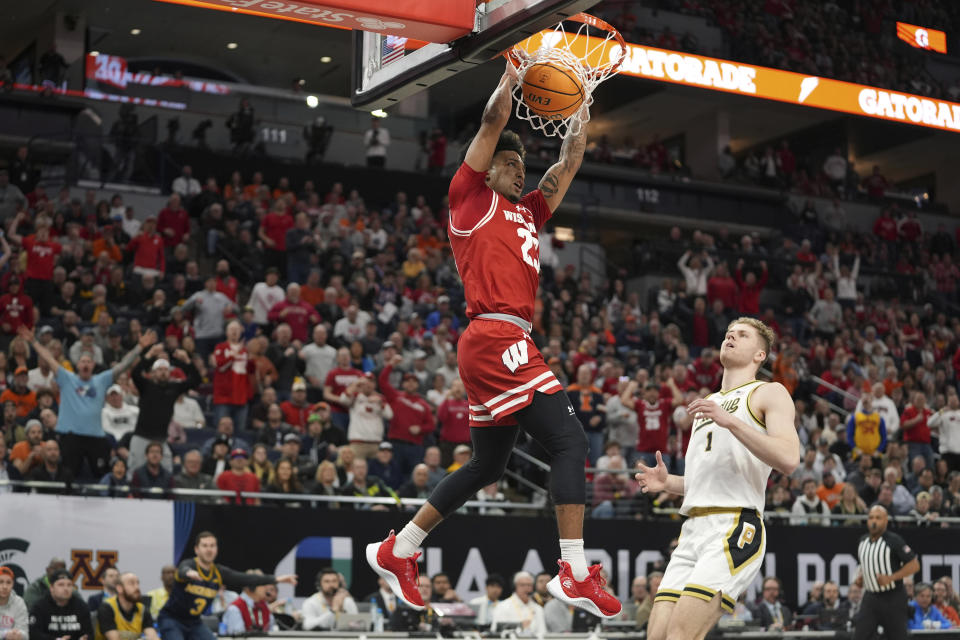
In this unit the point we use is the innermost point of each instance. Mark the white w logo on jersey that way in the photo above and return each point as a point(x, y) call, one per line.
point(515, 356)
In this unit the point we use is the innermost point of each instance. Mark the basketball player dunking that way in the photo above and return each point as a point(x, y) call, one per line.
point(738, 434)
point(493, 233)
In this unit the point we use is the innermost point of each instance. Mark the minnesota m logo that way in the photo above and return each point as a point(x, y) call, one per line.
point(82, 564)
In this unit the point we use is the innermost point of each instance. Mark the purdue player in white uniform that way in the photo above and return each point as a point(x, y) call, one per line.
point(739, 434)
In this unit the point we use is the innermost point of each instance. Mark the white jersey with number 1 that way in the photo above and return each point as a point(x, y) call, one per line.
point(720, 470)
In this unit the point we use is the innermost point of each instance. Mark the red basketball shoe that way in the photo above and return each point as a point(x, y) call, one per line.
point(588, 595)
point(400, 573)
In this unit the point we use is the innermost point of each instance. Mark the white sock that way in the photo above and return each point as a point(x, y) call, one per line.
point(571, 551)
point(411, 537)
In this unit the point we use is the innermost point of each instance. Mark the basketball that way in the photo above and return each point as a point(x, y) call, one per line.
point(552, 91)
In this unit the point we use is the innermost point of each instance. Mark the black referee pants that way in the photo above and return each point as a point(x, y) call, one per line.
point(887, 609)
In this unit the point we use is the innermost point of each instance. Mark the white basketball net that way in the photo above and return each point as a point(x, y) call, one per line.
point(604, 46)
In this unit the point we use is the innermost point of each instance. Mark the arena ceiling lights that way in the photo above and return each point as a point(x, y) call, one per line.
point(775, 84)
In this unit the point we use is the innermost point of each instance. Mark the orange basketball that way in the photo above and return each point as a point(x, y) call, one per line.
point(552, 91)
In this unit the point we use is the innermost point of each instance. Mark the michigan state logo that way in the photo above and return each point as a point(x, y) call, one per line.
point(12, 551)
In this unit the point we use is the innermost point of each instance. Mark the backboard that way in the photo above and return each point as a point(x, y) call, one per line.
point(386, 69)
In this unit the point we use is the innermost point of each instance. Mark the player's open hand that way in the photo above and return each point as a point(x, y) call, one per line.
point(652, 479)
point(703, 409)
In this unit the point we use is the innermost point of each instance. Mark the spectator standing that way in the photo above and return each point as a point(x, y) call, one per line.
point(846, 278)
point(916, 430)
point(239, 478)
point(835, 168)
point(42, 253)
point(884, 406)
point(16, 310)
point(321, 610)
point(273, 234)
point(947, 420)
point(412, 417)
point(61, 614)
point(885, 560)
point(826, 315)
point(265, 295)
point(11, 197)
point(185, 185)
point(296, 313)
point(173, 223)
point(232, 378)
point(750, 287)
point(653, 417)
point(589, 407)
point(696, 270)
point(319, 359)
point(301, 244)
point(158, 395)
point(210, 309)
point(866, 430)
point(14, 617)
point(368, 410)
point(453, 419)
point(376, 140)
point(148, 251)
point(336, 382)
point(82, 396)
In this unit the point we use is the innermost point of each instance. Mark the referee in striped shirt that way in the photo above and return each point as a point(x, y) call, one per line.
point(885, 560)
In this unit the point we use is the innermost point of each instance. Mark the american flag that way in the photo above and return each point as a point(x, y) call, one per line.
point(391, 48)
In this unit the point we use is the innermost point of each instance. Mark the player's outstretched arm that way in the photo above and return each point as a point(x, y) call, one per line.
point(495, 116)
point(557, 179)
point(779, 447)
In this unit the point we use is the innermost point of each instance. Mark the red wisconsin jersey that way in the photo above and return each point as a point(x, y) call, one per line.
point(495, 245)
point(654, 423)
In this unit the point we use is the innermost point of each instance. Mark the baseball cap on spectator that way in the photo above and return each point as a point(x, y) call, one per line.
point(358, 254)
point(238, 453)
point(291, 437)
point(45, 329)
point(387, 345)
point(160, 363)
point(410, 376)
point(60, 574)
point(222, 439)
point(462, 448)
point(443, 299)
point(321, 405)
point(922, 495)
point(419, 354)
point(272, 270)
point(427, 334)
point(115, 388)
point(20, 370)
point(177, 374)
point(298, 385)
point(385, 446)
point(86, 331)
